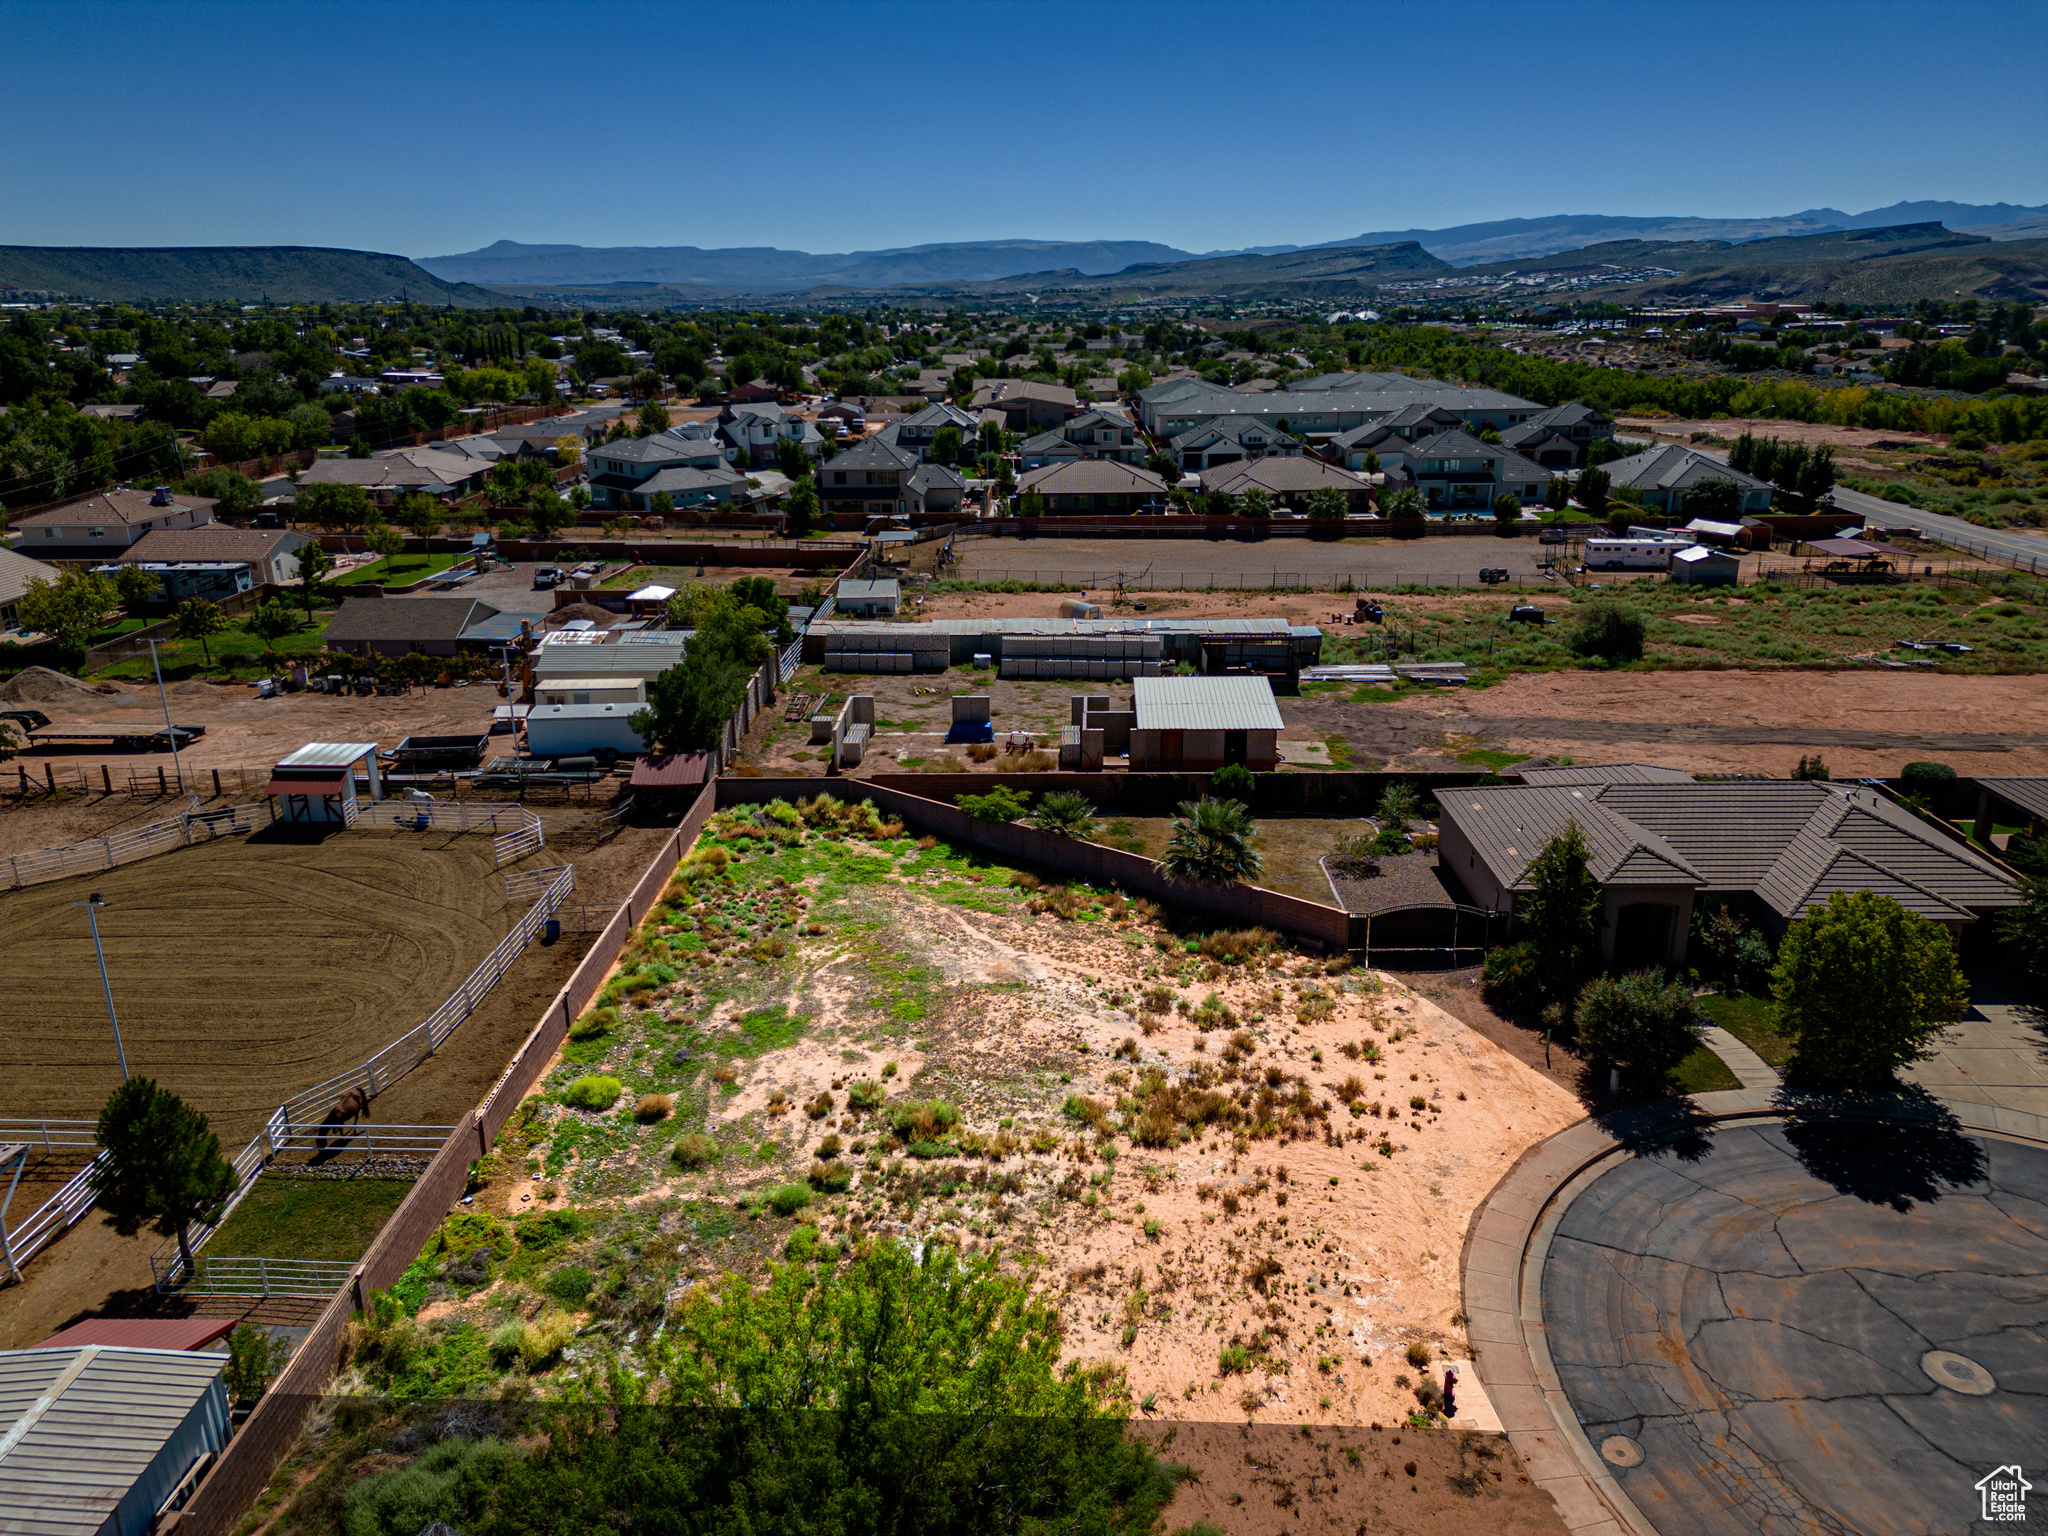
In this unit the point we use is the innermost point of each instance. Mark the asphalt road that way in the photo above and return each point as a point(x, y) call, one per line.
point(2027, 551)
point(1744, 1326)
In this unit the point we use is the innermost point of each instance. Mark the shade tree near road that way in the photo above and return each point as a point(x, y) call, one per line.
point(164, 1168)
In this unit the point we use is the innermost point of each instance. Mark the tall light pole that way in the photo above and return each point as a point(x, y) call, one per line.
point(170, 730)
point(92, 905)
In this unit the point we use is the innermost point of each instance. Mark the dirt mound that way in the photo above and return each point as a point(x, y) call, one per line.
point(603, 618)
point(41, 685)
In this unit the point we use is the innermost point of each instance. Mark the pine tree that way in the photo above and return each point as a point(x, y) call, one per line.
point(164, 1169)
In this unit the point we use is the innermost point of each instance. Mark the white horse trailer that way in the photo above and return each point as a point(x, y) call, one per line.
point(1631, 554)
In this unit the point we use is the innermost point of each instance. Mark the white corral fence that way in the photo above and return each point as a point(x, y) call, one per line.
point(319, 1278)
point(102, 853)
point(515, 831)
point(527, 884)
point(362, 1138)
point(54, 1217)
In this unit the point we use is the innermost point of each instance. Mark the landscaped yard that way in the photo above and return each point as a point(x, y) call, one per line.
point(298, 1218)
point(400, 570)
point(1748, 1019)
point(233, 650)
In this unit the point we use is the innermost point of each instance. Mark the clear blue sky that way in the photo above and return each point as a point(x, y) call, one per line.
point(428, 128)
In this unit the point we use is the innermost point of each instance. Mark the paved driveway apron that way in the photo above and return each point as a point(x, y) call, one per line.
point(1817, 1328)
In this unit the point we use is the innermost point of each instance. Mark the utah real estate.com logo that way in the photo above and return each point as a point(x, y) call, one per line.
point(2005, 1495)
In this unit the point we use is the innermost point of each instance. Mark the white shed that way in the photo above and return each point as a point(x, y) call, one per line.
point(317, 783)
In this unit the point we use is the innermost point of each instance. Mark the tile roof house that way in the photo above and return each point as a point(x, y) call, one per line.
point(1775, 847)
point(1559, 437)
point(1456, 472)
point(398, 626)
point(1227, 439)
point(916, 432)
point(1027, 405)
point(1665, 473)
point(1289, 481)
point(387, 476)
point(16, 572)
point(99, 527)
point(1093, 485)
point(622, 474)
point(270, 553)
point(871, 477)
point(1331, 403)
point(759, 428)
point(1091, 435)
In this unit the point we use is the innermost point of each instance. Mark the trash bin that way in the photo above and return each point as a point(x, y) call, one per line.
point(551, 930)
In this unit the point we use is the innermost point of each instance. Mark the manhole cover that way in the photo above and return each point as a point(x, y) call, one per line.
point(1620, 1451)
point(1957, 1373)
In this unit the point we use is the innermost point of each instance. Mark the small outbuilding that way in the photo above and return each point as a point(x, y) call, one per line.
point(1701, 565)
point(317, 783)
point(99, 1441)
point(868, 599)
point(1201, 723)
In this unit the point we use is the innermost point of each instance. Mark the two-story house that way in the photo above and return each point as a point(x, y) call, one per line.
point(100, 527)
point(1229, 439)
point(1456, 472)
point(623, 474)
point(1662, 475)
point(1091, 435)
point(1559, 437)
point(757, 430)
point(872, 476)
point(1027, 406)
point(916, 432)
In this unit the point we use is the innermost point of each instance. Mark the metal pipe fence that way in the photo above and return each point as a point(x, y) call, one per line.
point(54, 1217)
point(316, 1278)
point(115, 848)
point(50, 1134)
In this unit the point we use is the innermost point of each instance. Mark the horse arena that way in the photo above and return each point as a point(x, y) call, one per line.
point(248, 969)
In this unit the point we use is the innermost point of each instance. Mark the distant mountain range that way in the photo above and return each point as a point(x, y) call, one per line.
point(227, 274)
point(766, 269)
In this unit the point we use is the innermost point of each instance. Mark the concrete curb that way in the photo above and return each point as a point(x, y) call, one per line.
point(1509, 1238)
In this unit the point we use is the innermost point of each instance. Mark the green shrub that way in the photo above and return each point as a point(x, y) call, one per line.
point(789, 1199)
point(1513, 978)
point(550, 1227)
point(805, 1247)
point(695, 1150)
point(599, 1021)
point(1233, 781)
point(1926, 778)
point(830, 1178)
point(593, 1092)
point(444, 1480)
point(1609, 631)
point(1000, 804)
point(1639, 1023)
point(865, 1094)
point(1233, 1360)
point(923, 1120)
point(570, 1285)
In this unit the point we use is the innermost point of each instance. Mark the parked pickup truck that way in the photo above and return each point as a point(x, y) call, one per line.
point(111, 738)
point(434, 754)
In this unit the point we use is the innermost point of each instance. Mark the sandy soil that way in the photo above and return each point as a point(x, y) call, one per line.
point(1812, 433)
point(1742, 722)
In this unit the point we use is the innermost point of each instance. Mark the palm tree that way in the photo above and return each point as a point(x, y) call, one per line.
point(1213, 840)
point(1067, 812)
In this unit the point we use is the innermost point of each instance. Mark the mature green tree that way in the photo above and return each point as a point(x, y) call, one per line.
point(893, 1392)
point(945, 447)
point(1254, 503)
point(1561, 914)
point(137, 586)
point(548, 514)
point(1639, 1023)
point(419, 515)
point(653, 419)
point(271, 622)
point(198, 619)
point(163, 1167)
point(1863, 987)
point(1507, 510)
point(791, 458)
point(1404, 504)
point(1033, 504)
point(1592, 488)
point(1067, 812)
point(385, 542)
point(689, 704)
point(237, 495)
point(1213, 840)
point(336, 508)
point(801, 509)
point(1717, 500)
point(71, 609)
point(2025, 931)
point(1557, 493)
point(312, 563)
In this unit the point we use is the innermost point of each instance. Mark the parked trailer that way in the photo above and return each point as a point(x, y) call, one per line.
point(571, 730)
point(1631, 554)
point(432, 754)
point(111, 738)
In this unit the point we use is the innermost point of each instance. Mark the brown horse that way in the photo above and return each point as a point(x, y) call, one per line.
point(352, 1105)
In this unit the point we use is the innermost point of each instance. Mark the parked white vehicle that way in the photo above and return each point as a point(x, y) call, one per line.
point(1631, 554)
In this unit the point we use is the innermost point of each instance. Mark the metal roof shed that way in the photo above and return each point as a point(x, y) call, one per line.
point(95, 1440)
point(1205, 704)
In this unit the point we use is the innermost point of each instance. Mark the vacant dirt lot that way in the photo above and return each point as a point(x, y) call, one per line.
point(1159, 564)
point(1863, 723)
point(1811, 433)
